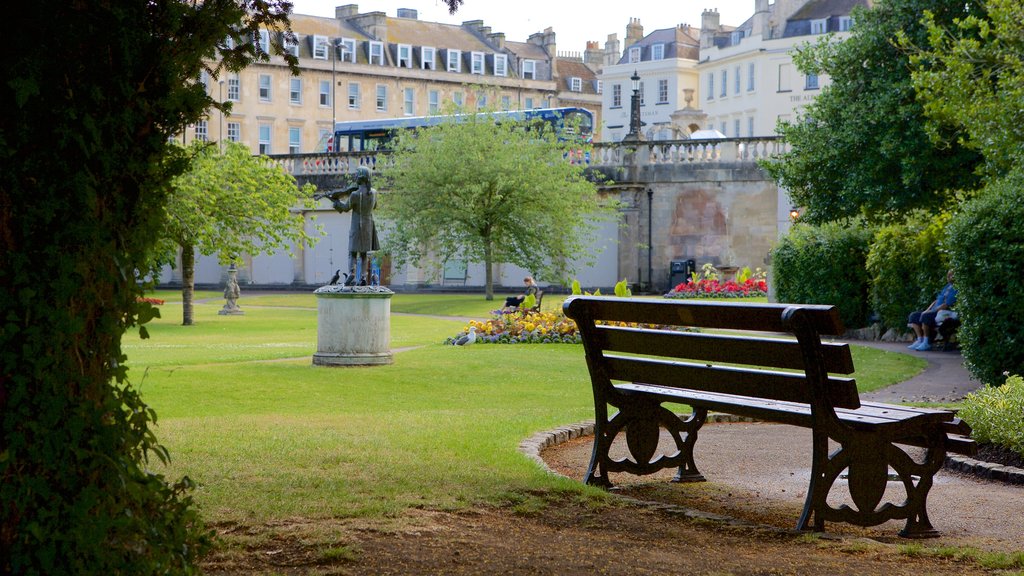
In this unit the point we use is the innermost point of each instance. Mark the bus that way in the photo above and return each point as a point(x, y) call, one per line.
point(365, 135)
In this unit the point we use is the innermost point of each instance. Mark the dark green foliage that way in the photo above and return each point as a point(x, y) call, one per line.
point(861, 148)
point(824, 265)
point(986, 241)
point(92, 91)
point(907, 267)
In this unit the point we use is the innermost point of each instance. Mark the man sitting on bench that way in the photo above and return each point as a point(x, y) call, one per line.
point(923, 322)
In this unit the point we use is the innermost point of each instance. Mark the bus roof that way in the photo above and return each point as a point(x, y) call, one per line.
point(420, 121)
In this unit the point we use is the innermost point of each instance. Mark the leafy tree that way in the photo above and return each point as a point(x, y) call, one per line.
point(861, 148)
point(488, 192)
point(970, 75)
point(92, 92)
point(230, 203)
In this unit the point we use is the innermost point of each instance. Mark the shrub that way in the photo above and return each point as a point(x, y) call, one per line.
point(996, 414)
point(906, 267)
point(986, 243)
point(825, 265)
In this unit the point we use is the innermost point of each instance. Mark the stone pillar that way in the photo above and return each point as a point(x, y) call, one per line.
point(353, 326)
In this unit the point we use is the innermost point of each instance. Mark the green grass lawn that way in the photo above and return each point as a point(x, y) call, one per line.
point(269, 436)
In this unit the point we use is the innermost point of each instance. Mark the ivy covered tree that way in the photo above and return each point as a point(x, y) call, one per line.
point(92, 92)
point(862, 147)
point(230, 203)
point(487, 192)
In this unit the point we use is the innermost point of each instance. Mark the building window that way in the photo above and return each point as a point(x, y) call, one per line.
point(529, 69)
point(634, 55)
point(844, 23)
point(353, 95)
point(737, 37)
point(616, 95)
point(819, 26)
point(750, 126)
point(202, 132)
point(750, 77)
point(458, 98)
point(264, 41)
point(377, 53)
point(477, 61)
point(454, 61)
point(722, 126)
point(382, 97)
point(711, 85)
point(348, 50)
point(291, 46)
point(324, 140)
point(294, 140)
point(481, 101)
point(641, 93)
point(725, 84)
point(658, 52)
point(264, 141)
point(409, 101)
point(204, 79)
point(320, 47)
point(528, 103)
point(811, 82)
point(265, 88)
point(506, 103)
point(404, 56)
point(295, 90)
point(736, 125)
point(500, 65)
point(785, 73)
point(736, 81)
point(598, 87)
point(429, 58)
point(433, 102)
point(234, 88)
point(234, 131)
point(662, 91)
point(325, 92)
point(575, 84)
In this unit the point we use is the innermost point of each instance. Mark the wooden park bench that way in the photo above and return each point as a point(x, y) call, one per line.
point(665, 353)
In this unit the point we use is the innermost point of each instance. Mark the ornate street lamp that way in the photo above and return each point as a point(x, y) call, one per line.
point(634, 112)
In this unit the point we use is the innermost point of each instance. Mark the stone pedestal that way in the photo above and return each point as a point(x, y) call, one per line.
point(353, 326)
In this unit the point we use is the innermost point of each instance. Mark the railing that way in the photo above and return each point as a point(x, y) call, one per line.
point(711, 151)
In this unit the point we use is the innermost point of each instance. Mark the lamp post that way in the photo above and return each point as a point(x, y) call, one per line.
point(634, 111)
point(220, 138)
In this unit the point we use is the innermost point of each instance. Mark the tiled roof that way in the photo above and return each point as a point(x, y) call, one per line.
point(817, 9)
point(420, 33)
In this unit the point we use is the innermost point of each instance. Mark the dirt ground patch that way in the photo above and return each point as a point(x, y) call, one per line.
point(564, 538)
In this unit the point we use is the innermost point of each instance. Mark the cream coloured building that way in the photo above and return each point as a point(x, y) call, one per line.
point(359, 66)
point(748, 80)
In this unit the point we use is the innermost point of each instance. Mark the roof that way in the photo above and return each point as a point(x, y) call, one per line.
point(421, 33)
point(681, 41)
point(817, 9)
point(568, 68)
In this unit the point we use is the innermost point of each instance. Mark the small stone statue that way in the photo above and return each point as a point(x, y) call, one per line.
point(231, 294)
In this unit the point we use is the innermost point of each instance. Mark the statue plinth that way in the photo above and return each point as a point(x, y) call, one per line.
point(353, 326)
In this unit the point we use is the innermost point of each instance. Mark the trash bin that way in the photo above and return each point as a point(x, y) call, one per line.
point(680, 271)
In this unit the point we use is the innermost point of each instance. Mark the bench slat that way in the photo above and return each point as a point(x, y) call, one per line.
point(723, 315)
point(786, 386)
point(771, 352)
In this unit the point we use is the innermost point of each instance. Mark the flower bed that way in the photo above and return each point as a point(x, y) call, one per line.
point(153, 301)
point(712, 288)
point(522, 328)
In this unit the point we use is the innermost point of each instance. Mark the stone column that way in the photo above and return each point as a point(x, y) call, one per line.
point(353, 326)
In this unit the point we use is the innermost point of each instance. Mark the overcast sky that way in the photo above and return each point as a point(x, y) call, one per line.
point(574, 22)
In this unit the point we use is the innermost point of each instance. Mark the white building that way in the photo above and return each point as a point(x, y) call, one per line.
point(748, 80)
point(666, 62)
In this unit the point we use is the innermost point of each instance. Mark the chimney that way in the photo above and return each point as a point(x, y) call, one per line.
point(374, 23)
point(709, 24)
point(634, 32)
point(593, 56)
point(759, 23)
point(498, 40)
point(346, 11)
point(611, 50)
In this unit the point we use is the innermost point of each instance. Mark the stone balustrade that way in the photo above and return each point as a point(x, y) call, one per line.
point(604, 154)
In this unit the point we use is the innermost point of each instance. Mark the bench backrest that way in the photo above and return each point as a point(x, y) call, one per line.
point(744, 354)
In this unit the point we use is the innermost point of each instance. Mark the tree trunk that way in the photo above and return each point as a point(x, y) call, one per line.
point(489, 272)
point(188, 277)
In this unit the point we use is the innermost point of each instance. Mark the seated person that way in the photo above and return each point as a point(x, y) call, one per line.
point(923, 323)
point(513, 302)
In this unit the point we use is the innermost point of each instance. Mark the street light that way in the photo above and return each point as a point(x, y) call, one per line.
point(220, 138)
point(634, 112)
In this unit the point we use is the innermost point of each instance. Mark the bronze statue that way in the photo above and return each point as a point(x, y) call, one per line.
point(361, 199)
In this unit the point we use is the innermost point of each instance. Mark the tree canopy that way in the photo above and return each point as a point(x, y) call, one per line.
point(92, 92)
point(230, 203)
point(862, 147)
point(486, 192)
